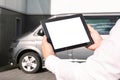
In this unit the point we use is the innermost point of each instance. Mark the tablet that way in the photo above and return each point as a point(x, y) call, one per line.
point(67, 32)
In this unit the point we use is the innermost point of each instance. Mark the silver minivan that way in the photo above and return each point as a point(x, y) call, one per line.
point(26, 50)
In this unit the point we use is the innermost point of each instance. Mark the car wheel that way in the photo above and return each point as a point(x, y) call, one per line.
point(30, 62)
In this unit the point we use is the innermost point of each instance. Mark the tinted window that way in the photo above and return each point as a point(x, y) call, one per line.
point(102, 24)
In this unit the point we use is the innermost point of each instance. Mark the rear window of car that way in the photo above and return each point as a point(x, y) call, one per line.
point(102, 24)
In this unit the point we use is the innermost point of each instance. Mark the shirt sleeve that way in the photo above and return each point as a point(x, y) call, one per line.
point(107, 56)
point(102, 65)
point(65, 70)
point(52, 62)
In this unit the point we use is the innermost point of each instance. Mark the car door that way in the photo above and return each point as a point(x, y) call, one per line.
point(66, 55)
point(81, 54)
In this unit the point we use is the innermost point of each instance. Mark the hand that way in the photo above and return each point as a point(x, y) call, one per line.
point(47, 49)
point(96, 38)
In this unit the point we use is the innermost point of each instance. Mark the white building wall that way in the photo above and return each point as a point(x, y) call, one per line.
point(61, 6)
point(72, 6)
point(84, 6)
point(16, 5)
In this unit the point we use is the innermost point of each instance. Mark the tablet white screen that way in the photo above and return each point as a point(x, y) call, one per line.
point(67, 32)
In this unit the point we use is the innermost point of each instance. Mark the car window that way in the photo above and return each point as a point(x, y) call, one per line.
point(102, 24)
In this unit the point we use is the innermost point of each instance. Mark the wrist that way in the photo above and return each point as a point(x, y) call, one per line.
point(46, 56)
point(95, 45)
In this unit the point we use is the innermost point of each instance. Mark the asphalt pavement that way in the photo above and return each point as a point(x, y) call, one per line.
point(16, 74)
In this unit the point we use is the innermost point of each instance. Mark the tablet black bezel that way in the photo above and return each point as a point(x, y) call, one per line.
point(43, 22)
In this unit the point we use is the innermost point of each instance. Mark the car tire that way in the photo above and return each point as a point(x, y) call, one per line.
point(30, 62)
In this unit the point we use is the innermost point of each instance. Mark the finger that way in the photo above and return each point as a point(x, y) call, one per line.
point(44, 39)
point(91, 29)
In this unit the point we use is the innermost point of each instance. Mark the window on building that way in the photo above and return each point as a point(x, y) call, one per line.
point(102, 24)
point(18, 26)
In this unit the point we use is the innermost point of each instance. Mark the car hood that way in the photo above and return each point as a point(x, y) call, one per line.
point(26, 36)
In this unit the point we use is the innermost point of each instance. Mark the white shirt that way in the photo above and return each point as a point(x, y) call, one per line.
point(104, 64)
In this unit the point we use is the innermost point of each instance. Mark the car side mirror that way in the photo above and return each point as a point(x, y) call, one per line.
point(41, 32)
